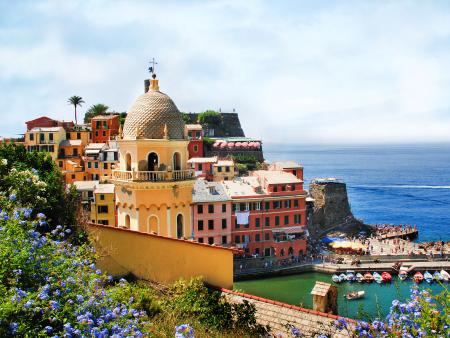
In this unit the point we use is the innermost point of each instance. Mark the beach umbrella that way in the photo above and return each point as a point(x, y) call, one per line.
point(238, 144)
point(230, 145)
point(223, 145)
point(244, 144)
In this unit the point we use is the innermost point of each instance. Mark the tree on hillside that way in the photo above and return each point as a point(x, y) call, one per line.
point(95, 110)
point(210, 118)
point(75, 101)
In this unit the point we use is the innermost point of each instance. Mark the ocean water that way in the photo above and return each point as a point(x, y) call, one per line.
point(397, 184)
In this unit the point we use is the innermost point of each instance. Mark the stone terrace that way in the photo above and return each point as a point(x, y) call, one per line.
point(279, 315)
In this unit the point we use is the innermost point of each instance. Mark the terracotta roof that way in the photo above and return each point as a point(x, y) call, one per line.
point(203, 160)
point(148, 116)
point(194, 127)
point(67, 143)
point(105, 117)
point(277, 176)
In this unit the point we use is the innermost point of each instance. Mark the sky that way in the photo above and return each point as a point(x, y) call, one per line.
point(335, 72)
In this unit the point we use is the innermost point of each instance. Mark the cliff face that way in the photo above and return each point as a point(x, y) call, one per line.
point(229, 127)
point(331, 210)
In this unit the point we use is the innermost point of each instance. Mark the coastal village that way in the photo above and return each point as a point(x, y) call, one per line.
point(169, 195)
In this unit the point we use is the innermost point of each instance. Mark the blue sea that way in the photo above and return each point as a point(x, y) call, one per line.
point(398, 184)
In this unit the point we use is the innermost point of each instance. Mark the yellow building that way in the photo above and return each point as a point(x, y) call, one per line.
point(153, 183)
point(223, 170)
point(103, 207)
point(45, 139)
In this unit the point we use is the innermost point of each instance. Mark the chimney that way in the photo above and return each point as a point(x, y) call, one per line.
point(325, 298)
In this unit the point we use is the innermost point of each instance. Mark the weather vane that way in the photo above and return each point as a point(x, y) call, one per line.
point(151, 69)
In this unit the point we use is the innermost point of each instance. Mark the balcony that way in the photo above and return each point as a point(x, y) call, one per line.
point(152, 176)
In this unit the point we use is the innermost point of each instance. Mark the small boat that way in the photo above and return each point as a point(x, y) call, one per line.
point(350, 276)
point(355, 295)
point(343, 277)
point(377, 277)
point(428, 277)
point(359, 278)
point(335, 278)
point(403, 273)
point(368, 278)
point(445, 276)
point(418, 277)
point(437, 276)
point(386, 277)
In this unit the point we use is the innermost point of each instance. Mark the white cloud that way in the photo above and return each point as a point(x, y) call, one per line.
point(346, 72)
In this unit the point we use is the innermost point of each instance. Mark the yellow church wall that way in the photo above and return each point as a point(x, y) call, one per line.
point(160, 259)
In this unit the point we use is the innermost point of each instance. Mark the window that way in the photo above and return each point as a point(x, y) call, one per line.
point(237, 239)
point(295, 203)
point(211, 208)
point(277, 220)
point(89, 165)
point(267, 221)
point(200, 166)
point(104, 133)
point(210, 224)
point(275, 188)
point(31, 137)
point(102, 209)
point(267, 236)
point(243, 206)
point(286, 219)
point(246, 239)
point(257, 238)
point(105, 166)
point(224, 239)
point(60, 164)
point(257, 222)
point(41, 138)
point(287, 204)
point(78, 136)
point(200, 209)
point(200, 225)
point(96, 133)
point(224, 208)
point(210, 240)
point(200, 239)
point(50, 136)
point(51, 149)
point(235, 207)
point(75, 152)
point(258, 206)
point(236, 225)
point(195, 148)
point(267, 252)
point(267, 207)
point(283, 188)
point(276, 204)
point(96, 165)
point(73, 176)
point(227, 169)
point(297, 219)
point(102, 197)
point(105, 125)
point(219, 169)
point(293, 187)
point(224, 223)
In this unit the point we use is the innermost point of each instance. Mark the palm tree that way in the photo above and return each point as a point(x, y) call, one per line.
point(96, 109)
point(75, 101)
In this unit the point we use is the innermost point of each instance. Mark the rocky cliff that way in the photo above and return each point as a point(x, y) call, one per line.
point(230, 125)
point(331, 210)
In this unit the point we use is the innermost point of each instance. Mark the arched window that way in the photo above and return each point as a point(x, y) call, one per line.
point(128, 158)
point(290, 251)
point(282, 252)
point(127, 221)
point(180, 229)
point(152, 162)
point(176, 161)
point(153, 224)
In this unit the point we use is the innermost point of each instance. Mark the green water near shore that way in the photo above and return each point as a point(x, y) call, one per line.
point(296, 290)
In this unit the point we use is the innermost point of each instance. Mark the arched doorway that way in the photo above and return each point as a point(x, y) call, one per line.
point(127, 221)
point(128, 160)
point(290, 251)
point(180, 229)
point(152, 162)
point(176, 161)
point(153, 225)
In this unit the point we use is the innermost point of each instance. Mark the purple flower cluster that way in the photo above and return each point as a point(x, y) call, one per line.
point(184, 331)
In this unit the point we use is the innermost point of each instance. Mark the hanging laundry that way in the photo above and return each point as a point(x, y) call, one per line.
point(242, 217)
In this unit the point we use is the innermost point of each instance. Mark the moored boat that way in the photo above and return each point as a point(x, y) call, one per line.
point(355, 295)
point(343, 277)
point(377, 277)
point(445, 276)
point(350, 276)
point(368, 278)
point(335, 278)
point(428, 277)
point(418, 277)
point(386, 277)
point(359, 278)
point(437, 276)
point(403, 273)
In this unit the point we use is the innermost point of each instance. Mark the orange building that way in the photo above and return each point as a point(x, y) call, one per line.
point(105, 128)
point(195, 136)
point(99, 161)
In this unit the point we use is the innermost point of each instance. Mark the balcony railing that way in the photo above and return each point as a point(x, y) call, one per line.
point(152, 176)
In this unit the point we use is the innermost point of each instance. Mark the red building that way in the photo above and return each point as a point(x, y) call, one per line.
point(269, 213)
point(195, 136)
point(104, 128)
point(45, 122)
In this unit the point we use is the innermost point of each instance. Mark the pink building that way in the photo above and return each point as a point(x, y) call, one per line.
point(203, 166)
point(211, 210)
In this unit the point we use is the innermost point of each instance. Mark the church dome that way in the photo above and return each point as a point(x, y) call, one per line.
point(153, 116)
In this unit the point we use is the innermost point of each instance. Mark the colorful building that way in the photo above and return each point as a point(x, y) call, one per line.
point(103, 206)
point(223, 170)
point(268, 214)
point(212, 168)
point(195, 137)
point(104, 128)
point(46, 139)
point(211, 210)
point(153, 183)
point(100, 160)
point(47, 122)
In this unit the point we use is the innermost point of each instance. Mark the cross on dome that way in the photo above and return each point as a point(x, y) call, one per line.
point(152, 68)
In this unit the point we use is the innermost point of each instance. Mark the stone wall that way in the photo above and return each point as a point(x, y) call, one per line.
point(230, 127)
